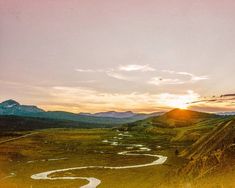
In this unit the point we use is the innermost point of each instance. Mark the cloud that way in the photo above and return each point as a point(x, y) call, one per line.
point(90, 70)
point(117, 73)
point(217, 99)
point(224, 102)
point(192, 78)
point(109, 72)
point(164, 81)
point(228, 95)
point(122, 73)
point(79, 99)
point(134, 67)
point(118, 76)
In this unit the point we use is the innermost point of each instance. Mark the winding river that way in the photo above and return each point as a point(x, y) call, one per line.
point(94, 182)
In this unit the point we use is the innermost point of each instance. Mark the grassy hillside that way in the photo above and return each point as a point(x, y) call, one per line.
point(176, 118)
point(180, 125)
point(205, 141)
point(211, 158)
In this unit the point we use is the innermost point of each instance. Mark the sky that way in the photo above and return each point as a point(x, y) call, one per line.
point(101, 55)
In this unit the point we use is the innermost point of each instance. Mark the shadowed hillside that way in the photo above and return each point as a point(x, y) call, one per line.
point(16, 123)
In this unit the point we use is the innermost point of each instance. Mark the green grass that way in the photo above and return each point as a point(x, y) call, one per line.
point(84, 147)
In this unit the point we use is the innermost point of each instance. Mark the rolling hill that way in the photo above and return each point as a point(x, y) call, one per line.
point(174, 119)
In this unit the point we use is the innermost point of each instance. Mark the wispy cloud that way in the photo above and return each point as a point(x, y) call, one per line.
point(118, 76)
point(90, 70)
point(217, 99)
point(135, 67)
point(192, 77)
point(164, 81)
point(228, 95)
point(221, 103)
point(127, 73)
point(121, 72)
point(127, 68)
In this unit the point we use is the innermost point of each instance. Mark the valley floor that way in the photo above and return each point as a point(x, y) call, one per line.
point(108, 158)
point(135, 159)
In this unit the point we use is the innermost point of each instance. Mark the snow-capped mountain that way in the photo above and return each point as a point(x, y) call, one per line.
point(11, 107)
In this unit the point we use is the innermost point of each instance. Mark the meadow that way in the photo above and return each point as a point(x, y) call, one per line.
point(53, 149)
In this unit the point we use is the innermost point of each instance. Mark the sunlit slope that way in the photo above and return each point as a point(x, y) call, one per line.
point(179, 125)
point(181, 118)
point(175, 118)
point(211, 158)
point(220, 137)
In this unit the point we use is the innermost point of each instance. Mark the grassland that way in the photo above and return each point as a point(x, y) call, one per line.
point(63, 148)
point(51, 149)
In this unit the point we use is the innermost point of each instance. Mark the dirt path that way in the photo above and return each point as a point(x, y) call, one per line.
point(17, 138)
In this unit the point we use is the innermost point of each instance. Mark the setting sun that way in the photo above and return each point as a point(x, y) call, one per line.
point(179, 104)
point(182, 101)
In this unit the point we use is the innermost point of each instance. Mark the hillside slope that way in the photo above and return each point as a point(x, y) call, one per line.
point(176, 118)
point(212, 154)
point(220, 137)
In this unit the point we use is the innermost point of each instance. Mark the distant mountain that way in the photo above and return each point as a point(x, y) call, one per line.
point(226, 113)
point(127, 114)
point(113, 114)
point(13, 108)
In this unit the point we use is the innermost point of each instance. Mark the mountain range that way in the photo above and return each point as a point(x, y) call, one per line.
point(13, 108)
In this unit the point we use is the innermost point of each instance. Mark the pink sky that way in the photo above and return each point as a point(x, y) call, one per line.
point(117, 55)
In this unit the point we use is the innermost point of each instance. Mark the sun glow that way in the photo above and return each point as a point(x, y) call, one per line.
point(179, 101)
point(179, 104)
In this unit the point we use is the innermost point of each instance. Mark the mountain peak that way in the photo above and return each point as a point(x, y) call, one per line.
point(11, 107)
point(9, 103)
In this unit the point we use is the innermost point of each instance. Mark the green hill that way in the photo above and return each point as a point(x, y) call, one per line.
point(174, 119)
point(181, 118)
point(179, 125)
